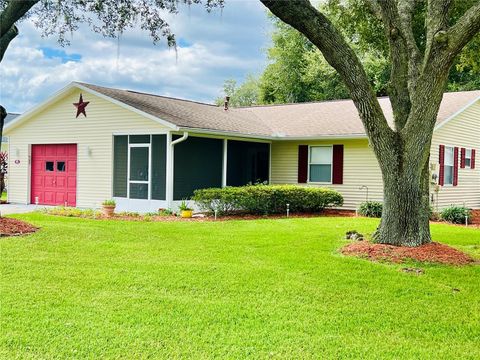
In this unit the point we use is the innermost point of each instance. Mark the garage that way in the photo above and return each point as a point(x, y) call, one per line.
point(54, 174)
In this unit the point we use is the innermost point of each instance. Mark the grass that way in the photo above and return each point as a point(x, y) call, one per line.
point(239, 289)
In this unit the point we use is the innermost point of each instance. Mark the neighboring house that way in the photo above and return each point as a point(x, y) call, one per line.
point(10, 117)
point(149, 152)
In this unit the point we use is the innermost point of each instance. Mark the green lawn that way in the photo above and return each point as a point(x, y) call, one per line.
point(239, 289)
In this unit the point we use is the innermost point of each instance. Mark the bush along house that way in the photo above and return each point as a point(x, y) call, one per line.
point(89, 143)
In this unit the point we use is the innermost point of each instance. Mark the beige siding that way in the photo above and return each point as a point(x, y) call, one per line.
point(462, 131)
point(57, 124)
point(360, 168)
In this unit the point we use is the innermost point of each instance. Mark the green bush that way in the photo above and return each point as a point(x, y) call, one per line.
point(266, 199)
point(371, 209)
point(456, 214)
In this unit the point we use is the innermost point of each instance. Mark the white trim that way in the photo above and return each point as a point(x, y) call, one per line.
point(451, 117)
point(169, 172)
point(225, 162)
point(149, 181)
point(309, 163)
point(268, 138)
point(140, 132)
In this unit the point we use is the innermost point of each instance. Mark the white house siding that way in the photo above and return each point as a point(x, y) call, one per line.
point(360, 168)
point(462, 131)
point(57, 124)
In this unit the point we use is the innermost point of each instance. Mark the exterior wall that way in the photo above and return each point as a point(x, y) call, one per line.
point(463, 131)
point(93, 135)
point(360, 168)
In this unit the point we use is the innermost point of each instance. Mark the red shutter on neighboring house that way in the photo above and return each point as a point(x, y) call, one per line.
point(441, 160)
point(302, 164)
point(462, 158)
point(337, 171)
point(472, 162)
point(455, 166)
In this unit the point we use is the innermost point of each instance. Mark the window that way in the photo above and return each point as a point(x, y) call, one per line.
point(320, 164)
point(61, 166)
point(468, 158)
point(49, 166)
point(139, 166)
point(449, 162)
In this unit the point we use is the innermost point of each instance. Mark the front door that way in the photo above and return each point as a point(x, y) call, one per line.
point(54, 174)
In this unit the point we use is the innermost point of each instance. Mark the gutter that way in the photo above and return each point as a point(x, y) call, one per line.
point(273, 136)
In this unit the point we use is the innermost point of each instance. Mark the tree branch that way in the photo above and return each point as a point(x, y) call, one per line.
point(301, 15)
point(404, 56)
point(6, 39)
point(13, 12)
point(464, 30)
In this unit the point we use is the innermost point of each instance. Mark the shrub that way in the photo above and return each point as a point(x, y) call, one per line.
point(266, 199)
point(456, 214)
point(109, 203)
point(371, 209)
point(73, 212)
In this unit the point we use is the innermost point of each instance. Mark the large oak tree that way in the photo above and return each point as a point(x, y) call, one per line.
point(417, 82)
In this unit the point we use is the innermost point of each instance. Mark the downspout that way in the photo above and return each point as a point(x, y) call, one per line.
point(179, 140)
point(171, 168)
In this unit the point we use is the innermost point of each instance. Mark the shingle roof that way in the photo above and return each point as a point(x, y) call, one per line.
point(10, 117)
point(315, 119)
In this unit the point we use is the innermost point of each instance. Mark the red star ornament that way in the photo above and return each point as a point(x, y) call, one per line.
point(81, 105)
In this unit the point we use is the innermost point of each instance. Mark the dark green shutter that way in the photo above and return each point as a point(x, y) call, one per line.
point(120, 163)
point(159, 167)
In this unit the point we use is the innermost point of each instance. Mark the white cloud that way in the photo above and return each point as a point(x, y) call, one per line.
point(218, 46)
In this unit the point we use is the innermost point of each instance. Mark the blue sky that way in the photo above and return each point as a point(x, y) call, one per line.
point(212, 47)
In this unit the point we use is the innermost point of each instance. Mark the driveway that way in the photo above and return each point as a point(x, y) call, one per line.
point(7, 209)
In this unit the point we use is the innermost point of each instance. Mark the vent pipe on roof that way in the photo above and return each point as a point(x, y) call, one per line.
point(227, 101)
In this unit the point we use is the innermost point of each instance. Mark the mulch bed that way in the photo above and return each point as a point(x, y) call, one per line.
point(430, 253)
point(476, 217)
point(239, 216)
point(14, 227)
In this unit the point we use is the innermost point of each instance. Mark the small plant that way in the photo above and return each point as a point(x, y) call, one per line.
point(371, 209)
point(109, 207)
point(185, 210)
point(184, 207)
point(165, 212)
point(456, 214)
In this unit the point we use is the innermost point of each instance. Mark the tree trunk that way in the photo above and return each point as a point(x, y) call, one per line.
point(406, 207)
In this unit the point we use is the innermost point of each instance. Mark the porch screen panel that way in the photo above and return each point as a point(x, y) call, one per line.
point(120, 165)
point(247, 162)
point(198, 165)
point(159, 166)
point(139, 164)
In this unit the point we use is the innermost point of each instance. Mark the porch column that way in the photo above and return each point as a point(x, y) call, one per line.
point(169, 174)
point(224, 168)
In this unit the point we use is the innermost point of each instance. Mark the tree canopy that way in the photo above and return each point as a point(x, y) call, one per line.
point(298, 72)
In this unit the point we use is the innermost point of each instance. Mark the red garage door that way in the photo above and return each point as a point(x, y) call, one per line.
point(54, 174)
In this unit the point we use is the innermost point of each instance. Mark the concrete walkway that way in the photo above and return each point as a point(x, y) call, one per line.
point(7, 209)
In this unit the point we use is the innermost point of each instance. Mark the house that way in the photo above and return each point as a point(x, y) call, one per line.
point(89, 143)
point(10, 117)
